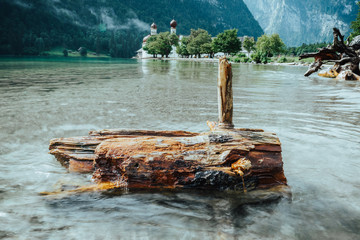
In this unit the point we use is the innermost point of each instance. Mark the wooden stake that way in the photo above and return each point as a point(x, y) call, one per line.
point(225, 95)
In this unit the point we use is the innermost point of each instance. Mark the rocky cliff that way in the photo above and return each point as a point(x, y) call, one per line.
point(300, 22)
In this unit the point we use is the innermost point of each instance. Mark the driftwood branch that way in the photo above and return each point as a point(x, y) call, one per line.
point(323, 54)
point(345, 57)
point(314, 67)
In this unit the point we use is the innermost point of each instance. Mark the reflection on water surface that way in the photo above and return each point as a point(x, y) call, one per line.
point(316, 119)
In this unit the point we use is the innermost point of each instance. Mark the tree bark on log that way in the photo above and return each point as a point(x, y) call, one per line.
point(345, 57)
point(237, 159)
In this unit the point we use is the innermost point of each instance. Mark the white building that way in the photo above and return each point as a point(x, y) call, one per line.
point(173, 25)
point(141, 53)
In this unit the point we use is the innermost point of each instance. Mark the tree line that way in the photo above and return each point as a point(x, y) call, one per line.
point(355, 25)
point(305, 48)
point(36, 32)
point(37, 27)
point(200, 43)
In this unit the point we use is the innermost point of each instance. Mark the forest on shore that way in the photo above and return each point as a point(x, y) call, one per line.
point(113, 28)
point(36, 28)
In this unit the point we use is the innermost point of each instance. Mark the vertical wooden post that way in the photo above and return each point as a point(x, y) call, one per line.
point(225, 94)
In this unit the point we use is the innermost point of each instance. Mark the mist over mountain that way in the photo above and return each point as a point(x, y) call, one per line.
point(29, 26)
point(299, 21)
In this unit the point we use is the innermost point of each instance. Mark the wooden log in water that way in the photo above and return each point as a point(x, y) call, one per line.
point(237, 159)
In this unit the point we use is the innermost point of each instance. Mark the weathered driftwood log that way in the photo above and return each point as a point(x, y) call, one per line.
point(236, 159)
point(78, 153)
point(345, 57)
point(332, 72)
point(348, 75)
point(224, 158)
point(314, 67)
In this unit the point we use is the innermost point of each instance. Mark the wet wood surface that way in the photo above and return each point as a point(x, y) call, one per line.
point(237, 159)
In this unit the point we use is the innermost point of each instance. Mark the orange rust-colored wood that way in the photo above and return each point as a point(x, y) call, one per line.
point(236, 159)
point(81, 166)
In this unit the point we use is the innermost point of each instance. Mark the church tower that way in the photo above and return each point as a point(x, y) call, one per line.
point(153, 29)
point(173, 25)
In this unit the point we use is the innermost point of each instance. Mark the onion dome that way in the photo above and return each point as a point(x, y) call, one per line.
point(173, 23)
point(146, 38)
point(153, 26)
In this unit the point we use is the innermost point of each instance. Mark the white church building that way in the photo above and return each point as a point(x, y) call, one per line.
point(141, 53)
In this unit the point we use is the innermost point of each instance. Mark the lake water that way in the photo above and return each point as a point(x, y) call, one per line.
point(316, 119)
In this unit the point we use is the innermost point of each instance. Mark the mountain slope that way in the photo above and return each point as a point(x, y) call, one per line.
point(300, 22)
point(116, 26)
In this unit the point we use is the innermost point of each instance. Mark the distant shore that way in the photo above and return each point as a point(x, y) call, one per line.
point(216, 60)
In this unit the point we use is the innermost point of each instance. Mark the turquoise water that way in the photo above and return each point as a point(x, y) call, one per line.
point(316, 119)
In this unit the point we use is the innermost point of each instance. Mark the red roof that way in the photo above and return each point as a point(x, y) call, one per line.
point(173, 23)
point(153, 26)
point(146, 38)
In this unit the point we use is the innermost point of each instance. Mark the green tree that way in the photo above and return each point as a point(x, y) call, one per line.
point(182, 48)
point(174, 40)
point(276, 44)
point(98, 44)
point(260, 57)
point(112, 45)
point(151, 46)
point(40, 45)
point(83, 51)
point(207, 48)
point(197, 39)
point(249, 44)
point(227, 42)
point(65, 52)
point(20, 26)
point(305, 48)
point(270, 45)
point(161, 44)
point(263, 45)
point(165, 40)
point(355, 25)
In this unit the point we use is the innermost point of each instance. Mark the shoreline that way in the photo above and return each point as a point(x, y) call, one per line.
point(216, 60)
point(206, 60)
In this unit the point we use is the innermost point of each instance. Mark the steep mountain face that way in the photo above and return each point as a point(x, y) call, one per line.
point(299, 21)
point(112, 25)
